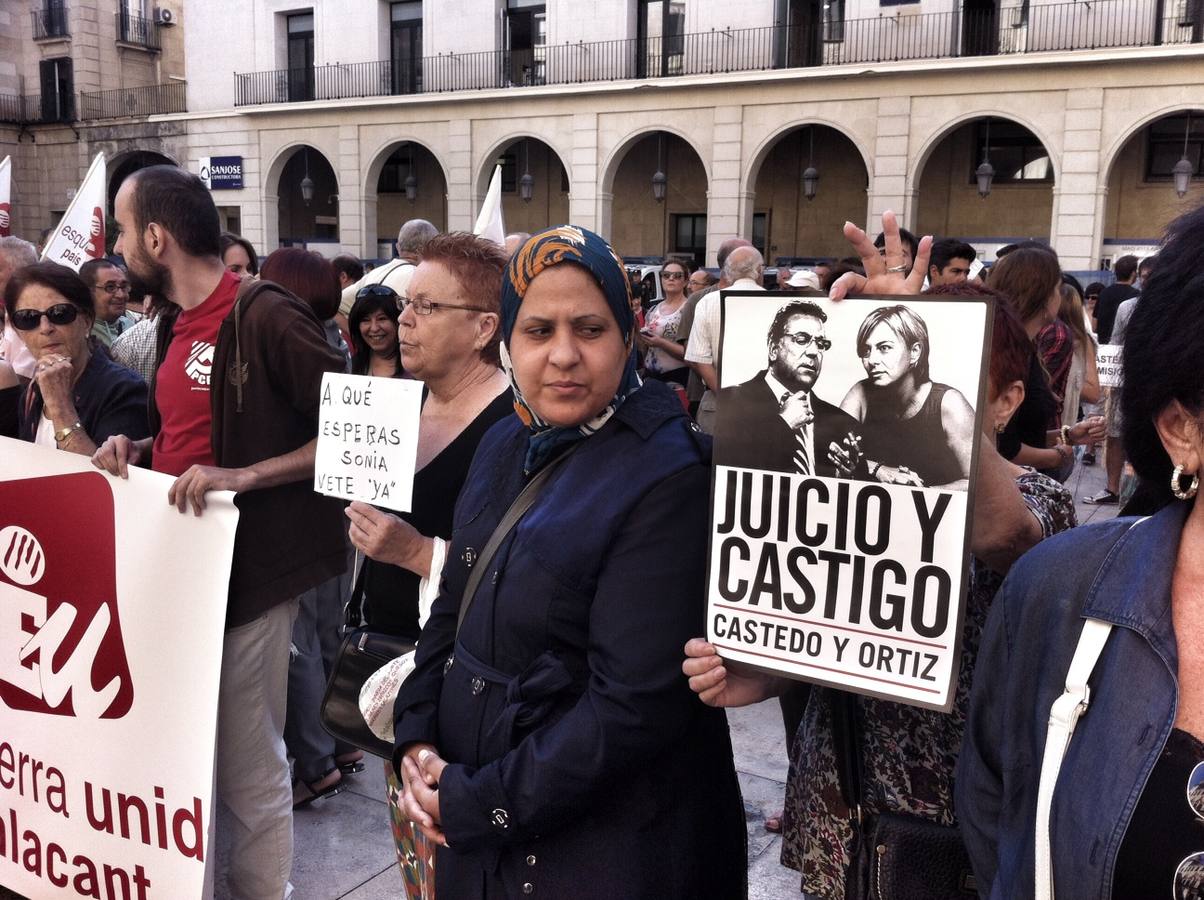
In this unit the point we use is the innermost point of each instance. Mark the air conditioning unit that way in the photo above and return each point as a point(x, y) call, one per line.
point(164, 16)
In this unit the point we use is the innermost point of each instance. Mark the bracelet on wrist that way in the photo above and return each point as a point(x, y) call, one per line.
point(1065, 433)
point(63, 435)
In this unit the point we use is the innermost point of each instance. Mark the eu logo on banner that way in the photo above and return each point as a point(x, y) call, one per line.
point(61, 650)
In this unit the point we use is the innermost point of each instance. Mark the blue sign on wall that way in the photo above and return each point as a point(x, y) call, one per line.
point(221, 173)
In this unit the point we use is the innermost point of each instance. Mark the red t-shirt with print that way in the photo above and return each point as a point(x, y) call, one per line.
point(182, 384)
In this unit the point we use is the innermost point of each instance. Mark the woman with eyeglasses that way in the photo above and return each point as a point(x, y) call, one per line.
point(1125, 818)
point(550, 745)
point(449, 338)
point(917, 431)
point(664, 357)
point(372, 324)
point(77, 398)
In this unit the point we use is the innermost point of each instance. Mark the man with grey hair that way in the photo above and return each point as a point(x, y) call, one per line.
point(742, 270)
point(411, 238)
point(15, 254)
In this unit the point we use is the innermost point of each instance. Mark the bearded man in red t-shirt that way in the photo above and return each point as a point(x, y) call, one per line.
point(234, 406)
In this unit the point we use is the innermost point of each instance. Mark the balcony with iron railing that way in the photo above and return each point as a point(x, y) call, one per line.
point(50, 21)
point(136, 30)
point(1018, 30)
point(137, 102)
point(152, 100)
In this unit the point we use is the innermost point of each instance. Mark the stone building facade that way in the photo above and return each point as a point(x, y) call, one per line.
point(395, 110)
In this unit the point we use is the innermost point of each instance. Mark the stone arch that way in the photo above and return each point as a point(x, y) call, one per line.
point(550, 203)
point(287, 216)
point(775, 213)
point(373, 230)
point(125, 164)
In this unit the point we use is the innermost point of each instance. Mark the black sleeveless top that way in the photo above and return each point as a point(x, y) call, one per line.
point(391, 592)
point(1163, 831)
point(918, 443)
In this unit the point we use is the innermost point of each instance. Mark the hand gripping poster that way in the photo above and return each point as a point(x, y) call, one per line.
point(846, 443)
point(112, 612)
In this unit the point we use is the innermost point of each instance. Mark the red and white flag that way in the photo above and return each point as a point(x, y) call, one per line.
point(80, 234)
point(6, 190)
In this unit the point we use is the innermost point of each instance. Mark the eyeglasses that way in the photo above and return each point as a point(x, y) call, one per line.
point(425, 307)
point(802, 339)
point(59, 314)
point(112, 287)
point(672, 276)
point(1189, 876)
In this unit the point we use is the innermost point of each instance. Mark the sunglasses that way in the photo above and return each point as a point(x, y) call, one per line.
point(112, 287)
point(59, 314)
point(672, 276)
point(1189, 876)
point(802, 339)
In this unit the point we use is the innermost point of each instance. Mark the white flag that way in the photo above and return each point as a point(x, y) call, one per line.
point(489, 222)
point(80, 234)
point(6, 188)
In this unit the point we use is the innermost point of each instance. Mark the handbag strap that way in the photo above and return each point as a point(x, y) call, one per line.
point(517, 510)
point(1063, 717)
point(353, 614)
point(846, 748)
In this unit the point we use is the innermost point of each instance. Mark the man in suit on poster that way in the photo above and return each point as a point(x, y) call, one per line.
point(775, 421)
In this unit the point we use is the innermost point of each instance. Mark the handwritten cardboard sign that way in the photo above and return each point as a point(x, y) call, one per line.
point(368, 439)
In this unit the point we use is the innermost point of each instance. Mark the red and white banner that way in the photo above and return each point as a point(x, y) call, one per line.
point(112, 610)
point(6, 196)
point(80, 234)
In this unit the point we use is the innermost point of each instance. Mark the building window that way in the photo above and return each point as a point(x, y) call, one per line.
point(526, 41)
point(661, 38)
point(301, 56)
point(1016, 153)
point(50, 20)
point(1164, 146)
point(405, 46)
point(690, 236)
point(58, 89)
point(834, 20)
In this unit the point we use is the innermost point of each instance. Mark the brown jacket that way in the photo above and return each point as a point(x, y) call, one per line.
point(267, 373)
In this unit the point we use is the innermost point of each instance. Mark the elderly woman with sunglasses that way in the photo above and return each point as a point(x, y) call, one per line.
point(78, 398)
point(1123, 821)
point(549, 743)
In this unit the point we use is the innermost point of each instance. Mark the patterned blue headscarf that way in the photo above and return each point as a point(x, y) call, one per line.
point(566, 244)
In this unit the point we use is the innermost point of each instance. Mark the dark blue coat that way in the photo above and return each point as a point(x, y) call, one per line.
point(581, 765)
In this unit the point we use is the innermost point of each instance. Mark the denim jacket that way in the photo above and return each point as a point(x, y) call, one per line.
point(1119, 572)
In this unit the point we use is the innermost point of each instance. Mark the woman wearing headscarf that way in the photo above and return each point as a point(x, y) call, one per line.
point(551, 747)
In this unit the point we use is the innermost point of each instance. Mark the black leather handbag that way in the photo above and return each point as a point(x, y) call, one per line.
point(896, 856)
point(362, 652)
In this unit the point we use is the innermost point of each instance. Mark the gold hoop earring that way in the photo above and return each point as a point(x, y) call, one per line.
point(1177, 485)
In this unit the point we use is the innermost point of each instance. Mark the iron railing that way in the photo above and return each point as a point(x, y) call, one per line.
point(38, 109)
point(51, 20)
point(1014, 28)
point(152, 100)
point(140, 31)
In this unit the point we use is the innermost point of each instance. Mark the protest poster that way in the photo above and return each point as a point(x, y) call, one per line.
point(1108, 364)
point(846, 442)
point(368, 439)
point(112, 612)
point(6, 190)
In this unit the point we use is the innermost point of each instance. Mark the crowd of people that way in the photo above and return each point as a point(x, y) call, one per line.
point(561, 732)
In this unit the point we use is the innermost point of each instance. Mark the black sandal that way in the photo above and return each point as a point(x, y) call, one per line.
point(350, 763)
point(306, 792)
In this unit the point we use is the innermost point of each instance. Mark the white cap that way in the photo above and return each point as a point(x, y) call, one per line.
point(804, 278)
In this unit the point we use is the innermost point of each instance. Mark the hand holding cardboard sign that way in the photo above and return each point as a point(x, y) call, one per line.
point(884, 273)
point(387, 538)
